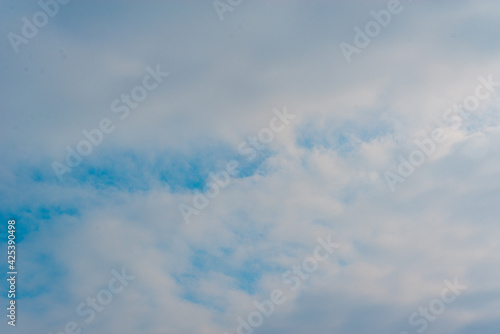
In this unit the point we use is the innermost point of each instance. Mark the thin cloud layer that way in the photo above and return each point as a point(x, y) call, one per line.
point(403, 244)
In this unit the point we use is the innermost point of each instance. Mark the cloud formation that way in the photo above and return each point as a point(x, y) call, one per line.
point(323, 174)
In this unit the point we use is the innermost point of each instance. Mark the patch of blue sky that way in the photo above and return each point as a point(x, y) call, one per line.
point(105, 177)
point(247, 230)
point(28, 172)
point(246, 275)
point(29, 218)
point(246, 278)
point(123, 171)
point(255, 166)
point(344, 138)
point(133, 171)
point(192, 172)
point(343, 263)
point(190, 292)
point(50, 212)
point(46, 276)
point(478, 122)
point(360, 247)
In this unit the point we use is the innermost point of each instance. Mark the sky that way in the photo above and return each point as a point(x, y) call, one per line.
point(233, 166)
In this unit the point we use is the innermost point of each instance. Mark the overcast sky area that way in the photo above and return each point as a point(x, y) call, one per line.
point(199, 167)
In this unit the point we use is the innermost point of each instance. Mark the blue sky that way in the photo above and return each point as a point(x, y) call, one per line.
point(324, 173)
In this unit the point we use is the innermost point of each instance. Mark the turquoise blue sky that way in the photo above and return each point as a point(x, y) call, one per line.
point(325, 172)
